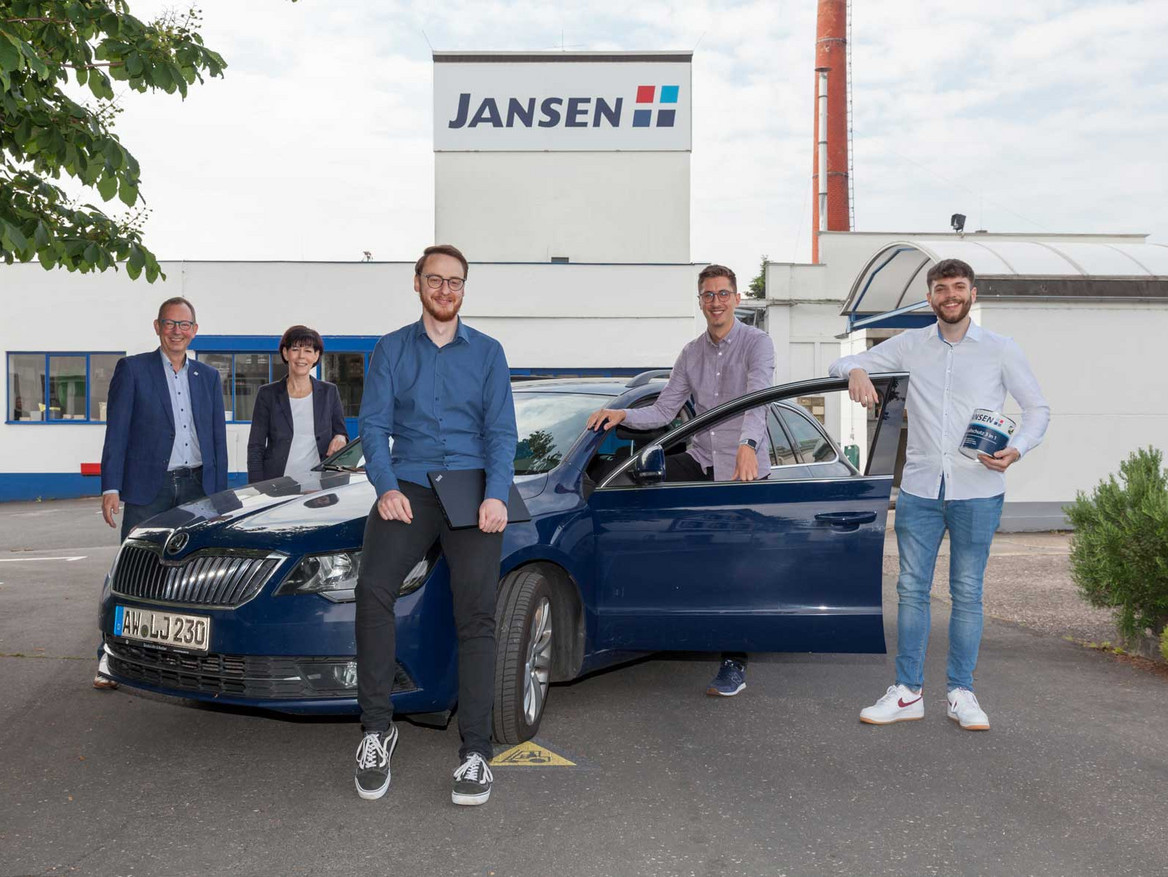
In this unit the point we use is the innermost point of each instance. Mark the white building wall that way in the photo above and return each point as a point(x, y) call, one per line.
point(546, 316)
point(585, 206)
point(1095, 363)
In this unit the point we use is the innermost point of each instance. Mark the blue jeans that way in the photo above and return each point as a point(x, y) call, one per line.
point(920, 525)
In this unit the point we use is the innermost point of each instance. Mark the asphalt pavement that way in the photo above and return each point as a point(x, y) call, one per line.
point(781, 780)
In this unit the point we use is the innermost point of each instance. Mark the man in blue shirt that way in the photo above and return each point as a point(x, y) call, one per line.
point(442, 391)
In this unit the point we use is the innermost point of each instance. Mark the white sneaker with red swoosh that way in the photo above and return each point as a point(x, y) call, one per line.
point(966, 711)
point(899, 704)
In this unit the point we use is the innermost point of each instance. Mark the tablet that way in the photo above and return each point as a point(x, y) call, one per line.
point(460, 493)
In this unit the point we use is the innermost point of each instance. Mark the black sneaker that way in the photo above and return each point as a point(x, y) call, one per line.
point(472, 781)
point(373, 755)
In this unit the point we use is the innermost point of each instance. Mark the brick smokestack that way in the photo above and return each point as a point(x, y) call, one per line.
point(831, 52)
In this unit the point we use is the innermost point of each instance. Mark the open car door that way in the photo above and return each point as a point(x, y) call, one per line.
point(789, 563)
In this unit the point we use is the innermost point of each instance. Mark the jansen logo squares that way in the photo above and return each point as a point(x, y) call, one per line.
point(655, 106)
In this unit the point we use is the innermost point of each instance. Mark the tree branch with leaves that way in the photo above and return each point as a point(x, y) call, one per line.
point(46, 50)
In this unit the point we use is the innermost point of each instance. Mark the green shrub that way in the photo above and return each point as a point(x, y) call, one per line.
point(1119, 550)
point(1164, 642)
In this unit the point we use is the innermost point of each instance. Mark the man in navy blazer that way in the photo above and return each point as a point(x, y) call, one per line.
point(166, 433)
point(165, 437)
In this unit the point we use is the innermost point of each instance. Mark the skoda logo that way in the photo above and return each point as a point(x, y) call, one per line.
point(177, 543)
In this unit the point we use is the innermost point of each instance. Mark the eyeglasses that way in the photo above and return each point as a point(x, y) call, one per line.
point(181, 325)
point(435, 281)
point(722, 294)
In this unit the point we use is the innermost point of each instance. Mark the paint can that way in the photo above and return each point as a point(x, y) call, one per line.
point(988, 432)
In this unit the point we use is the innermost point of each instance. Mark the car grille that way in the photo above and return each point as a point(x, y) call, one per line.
point(252, 676)
point(203, 579)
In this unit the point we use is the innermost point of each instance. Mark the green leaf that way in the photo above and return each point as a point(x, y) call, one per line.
point(112, 153)
point(14, 236)
point(90, 254)
point(137, 257)
point(107, 186)
point(9, 54)
point(128, 193)
point(41, 236)
point(133, 270)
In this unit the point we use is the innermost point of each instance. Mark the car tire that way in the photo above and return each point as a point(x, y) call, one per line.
point(523, 655)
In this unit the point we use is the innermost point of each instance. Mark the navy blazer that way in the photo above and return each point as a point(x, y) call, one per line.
point(139, 431)
point(270, 439)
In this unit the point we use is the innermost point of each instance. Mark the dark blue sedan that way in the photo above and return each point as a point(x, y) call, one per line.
point(246, 597)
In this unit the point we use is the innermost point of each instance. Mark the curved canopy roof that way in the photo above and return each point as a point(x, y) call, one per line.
point(893, 281)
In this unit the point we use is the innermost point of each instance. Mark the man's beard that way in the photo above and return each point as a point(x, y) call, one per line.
point(442, 316)
point(961, 315)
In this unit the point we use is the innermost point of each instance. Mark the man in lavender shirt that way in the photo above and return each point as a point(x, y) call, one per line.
point(726, 361)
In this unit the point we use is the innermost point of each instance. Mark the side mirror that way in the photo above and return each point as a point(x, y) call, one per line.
point(649, 467)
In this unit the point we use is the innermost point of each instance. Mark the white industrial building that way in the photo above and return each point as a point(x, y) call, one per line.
point(559, 175)
point(1088, 311)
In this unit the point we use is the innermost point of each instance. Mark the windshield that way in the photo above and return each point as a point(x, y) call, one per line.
point(548, 425)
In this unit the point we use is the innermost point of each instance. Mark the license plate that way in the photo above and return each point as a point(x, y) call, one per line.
point(190, 632)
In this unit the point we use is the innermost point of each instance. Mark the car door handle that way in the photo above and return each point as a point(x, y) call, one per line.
point(846, 519)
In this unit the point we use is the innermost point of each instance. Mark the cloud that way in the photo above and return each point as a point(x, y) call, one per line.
point(317, 144)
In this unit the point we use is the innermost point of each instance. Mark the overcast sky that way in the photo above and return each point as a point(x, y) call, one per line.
point(1026, 116)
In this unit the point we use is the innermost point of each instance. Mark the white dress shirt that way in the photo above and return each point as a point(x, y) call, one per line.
point(946, 383)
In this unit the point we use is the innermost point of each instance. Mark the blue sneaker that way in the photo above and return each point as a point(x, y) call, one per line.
point(730, 680)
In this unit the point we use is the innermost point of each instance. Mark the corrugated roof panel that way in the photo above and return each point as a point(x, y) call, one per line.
point(1099, 260)
point(1031, 259)
point(982, 258)
point(1154, 257)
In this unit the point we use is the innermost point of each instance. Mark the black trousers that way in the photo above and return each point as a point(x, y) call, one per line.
point(179, 486)
point(683, 467)
point(391, 549)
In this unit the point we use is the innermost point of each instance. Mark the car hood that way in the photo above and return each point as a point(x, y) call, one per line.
point(286, 506)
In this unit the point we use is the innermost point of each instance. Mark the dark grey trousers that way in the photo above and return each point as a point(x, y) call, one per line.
point(391, 549)
point(178, 486)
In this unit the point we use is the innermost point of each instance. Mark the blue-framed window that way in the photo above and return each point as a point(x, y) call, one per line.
point(59, 386)
point(243, 373)
point(247, 362)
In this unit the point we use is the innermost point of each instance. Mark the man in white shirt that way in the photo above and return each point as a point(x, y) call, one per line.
point(954, 367)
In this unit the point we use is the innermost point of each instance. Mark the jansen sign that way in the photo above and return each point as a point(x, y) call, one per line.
point(561, 106)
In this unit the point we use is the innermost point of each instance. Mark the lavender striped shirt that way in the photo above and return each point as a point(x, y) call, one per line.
point(712, 373)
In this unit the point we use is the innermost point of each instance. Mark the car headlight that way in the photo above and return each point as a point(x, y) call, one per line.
point(334, 576)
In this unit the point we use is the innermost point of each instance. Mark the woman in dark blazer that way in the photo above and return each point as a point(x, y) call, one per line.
point(297, 421)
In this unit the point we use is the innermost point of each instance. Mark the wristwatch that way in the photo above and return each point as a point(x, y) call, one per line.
point(753, 445)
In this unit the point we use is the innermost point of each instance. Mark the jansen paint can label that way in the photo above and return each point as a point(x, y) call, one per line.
point(988, 432)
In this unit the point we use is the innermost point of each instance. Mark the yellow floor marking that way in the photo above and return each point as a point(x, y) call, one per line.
point(530, 754)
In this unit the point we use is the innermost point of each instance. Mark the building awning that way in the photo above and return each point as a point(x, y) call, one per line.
point(891, 288)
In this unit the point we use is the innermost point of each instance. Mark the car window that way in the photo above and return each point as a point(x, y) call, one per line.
point(811, 444)
point(548, 424)
point(733, 424)
point(620, 443)
point(781, 452)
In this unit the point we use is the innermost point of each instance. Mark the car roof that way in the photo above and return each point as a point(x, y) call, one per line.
point(614, 386)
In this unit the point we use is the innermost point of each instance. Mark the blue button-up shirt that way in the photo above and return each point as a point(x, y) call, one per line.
point(445, 407)
point(185, 451)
